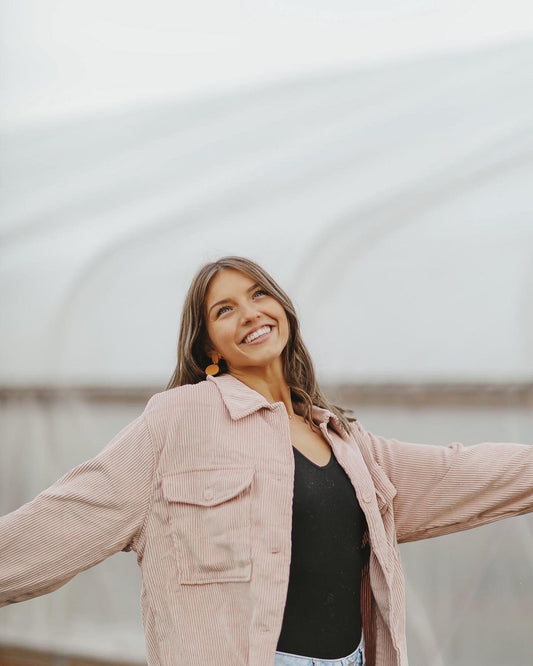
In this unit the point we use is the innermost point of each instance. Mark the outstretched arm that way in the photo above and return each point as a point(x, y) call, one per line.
point(444, 489)
point(93, 511)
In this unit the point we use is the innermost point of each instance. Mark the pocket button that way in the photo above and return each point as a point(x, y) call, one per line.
point(208, 493)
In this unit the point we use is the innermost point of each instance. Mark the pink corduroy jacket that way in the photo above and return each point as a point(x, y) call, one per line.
point(200, 486)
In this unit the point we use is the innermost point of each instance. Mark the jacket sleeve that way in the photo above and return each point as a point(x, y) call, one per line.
point(445, 489)
point(93, 511)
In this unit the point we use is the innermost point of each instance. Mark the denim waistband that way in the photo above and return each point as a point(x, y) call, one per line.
point(356, 658)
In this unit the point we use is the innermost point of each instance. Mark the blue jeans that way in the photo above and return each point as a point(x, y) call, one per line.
point(357, 658)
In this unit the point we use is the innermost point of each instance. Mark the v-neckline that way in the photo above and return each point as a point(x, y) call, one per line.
point(314, 463)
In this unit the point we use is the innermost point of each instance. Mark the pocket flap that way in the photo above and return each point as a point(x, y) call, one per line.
point(208, 486)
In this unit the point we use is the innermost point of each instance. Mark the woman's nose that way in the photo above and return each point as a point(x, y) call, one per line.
point(249, 311)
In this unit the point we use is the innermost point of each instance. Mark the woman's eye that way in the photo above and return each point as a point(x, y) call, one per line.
point(222, 310)
point(225, 308)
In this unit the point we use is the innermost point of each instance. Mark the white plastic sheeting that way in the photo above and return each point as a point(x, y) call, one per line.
point(393, 204)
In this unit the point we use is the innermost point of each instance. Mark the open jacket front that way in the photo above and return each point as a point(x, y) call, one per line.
point(200, 486)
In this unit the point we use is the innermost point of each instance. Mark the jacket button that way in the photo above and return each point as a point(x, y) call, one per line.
point(208, 493)
point(367, 498)
point(275, 549)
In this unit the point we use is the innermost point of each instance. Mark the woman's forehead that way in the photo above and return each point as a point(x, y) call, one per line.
point(226, 283)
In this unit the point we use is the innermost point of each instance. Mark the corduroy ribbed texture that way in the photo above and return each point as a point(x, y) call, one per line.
point(200, 487)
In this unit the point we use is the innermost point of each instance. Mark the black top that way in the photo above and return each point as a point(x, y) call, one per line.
point(322, 615)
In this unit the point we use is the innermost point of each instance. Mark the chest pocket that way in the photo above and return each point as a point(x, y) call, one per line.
point(210, 517)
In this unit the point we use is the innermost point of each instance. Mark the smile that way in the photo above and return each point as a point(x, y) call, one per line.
point(258, 336)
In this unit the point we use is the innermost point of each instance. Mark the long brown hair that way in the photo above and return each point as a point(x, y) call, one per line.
point(193, 339)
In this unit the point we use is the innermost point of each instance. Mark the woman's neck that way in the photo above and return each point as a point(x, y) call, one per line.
point(271, 385)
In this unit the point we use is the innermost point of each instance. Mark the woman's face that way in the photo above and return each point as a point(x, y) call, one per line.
point(237, 307)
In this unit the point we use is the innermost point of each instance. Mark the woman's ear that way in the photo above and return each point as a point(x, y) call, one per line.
point(209, 349)
point(213, 354)
point(207, 345)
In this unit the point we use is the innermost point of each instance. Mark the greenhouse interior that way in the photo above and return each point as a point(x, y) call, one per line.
point(390, 196)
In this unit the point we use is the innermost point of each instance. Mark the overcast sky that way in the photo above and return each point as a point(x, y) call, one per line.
point(64, 57)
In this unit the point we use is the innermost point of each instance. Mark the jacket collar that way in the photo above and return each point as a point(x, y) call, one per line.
point(241, 401)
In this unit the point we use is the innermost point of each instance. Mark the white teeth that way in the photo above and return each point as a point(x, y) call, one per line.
point(256, 334)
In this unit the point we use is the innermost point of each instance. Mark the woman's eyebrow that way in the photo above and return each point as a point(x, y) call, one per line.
point(226, 300)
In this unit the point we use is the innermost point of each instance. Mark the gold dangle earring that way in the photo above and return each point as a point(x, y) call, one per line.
point(213, 369)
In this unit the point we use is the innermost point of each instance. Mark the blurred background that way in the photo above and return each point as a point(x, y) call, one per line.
point(376, 157)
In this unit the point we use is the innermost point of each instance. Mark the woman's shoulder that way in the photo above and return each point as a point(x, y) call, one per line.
point(175, 399)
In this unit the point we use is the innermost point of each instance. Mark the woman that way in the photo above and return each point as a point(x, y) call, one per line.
point(265, 521)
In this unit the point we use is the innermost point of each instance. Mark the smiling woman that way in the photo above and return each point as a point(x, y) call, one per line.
point(256, 508)
point(228, 304)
